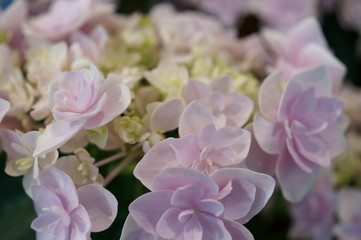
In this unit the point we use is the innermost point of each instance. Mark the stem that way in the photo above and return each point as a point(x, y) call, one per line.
point(133, 155)
point(109, 159)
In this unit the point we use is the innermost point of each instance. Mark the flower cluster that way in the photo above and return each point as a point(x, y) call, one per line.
point(214, 121)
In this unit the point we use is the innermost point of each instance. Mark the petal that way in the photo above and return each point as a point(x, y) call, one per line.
point(81, 224)
point(238, 231)
point(213, 228)
point(55, 135)
point(237, 139)
point(270, 94)
point(193, 229)
point(186, 150)
point(173, 178)
point(4, 107)
point(258, 160)
point(264, 187)
point(317, 78)
point(100, 204)
point(117, 101)
point(313, 55)
point(195, 90)
point(238, 109)
point(305, 32)
point(61, 184)
point(169, 226)
point(295, 182)
point(348, 208)
point(44, 198)
point(149, 208)
point(131, 231)
point(334, 138)
point(165, 116)
point(159, 157)
point(187, 196)
point(194, 118)
point(267, 134)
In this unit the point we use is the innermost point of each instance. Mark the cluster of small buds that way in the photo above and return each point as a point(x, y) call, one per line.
point(214, 121)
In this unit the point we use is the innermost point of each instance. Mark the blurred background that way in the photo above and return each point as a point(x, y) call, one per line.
point(341, 24)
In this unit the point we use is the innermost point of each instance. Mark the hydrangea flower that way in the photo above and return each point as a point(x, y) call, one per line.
point(201, 146)
point(303, 47)
point(229, 108)
point(299, 124)
point(66, 213)
point(349, 213)
point(313, 216)
point(187, 204)
point(82, 99)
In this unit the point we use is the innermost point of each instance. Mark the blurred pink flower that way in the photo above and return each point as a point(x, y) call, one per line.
point(299, 124)
point(66, 213)
point(349, 214)
point(313, 216)
point(82, 99)
point(65, 17)
point(187, 204)
point(303, 47)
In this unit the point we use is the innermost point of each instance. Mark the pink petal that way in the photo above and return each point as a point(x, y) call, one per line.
point(44, 198)
point(317, 78)
point(313, 56)
point(264, 187)
point(258, 160)
point(277, 41)
point(195, 90)
point(165, 116)
point(270, 94)
point(100, 204)
point(294, 181)
point(193, 229)
point(149, 208)
point(173, 178)
point(267, 134)
point(335, 139)
point(55, 135)
point(194, 118)
point(169, 227)
point(81, 224)
point(58, 182)
point(131, 231)
point(159, 157)
point(305, 32)
point(238, 109)
point(4, 107)
point(117, 101)
point(186, 150)
point(238, 231)
point(213, 228)
point(187, 196)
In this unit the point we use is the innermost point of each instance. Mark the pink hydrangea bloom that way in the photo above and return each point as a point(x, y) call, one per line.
point(65, 17)
point(299, 124)
point(313, 216)
point(201, 146)
point(349, 214)
point(66, 213)
point(303, 47)
point(187, 204)
point(82, 99)
point(229, 108)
